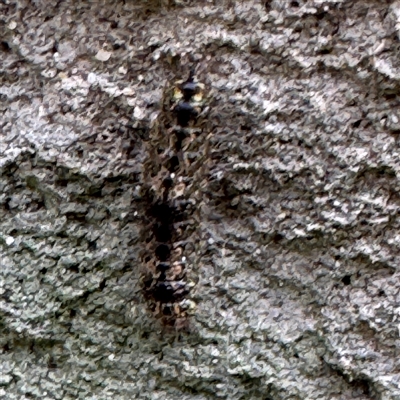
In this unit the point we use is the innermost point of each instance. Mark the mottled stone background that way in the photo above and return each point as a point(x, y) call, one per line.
point(298, 288)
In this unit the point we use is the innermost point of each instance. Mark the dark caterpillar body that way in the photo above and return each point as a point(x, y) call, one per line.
point(175, 152)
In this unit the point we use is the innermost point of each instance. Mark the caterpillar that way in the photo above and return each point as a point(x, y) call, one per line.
point(176, 151)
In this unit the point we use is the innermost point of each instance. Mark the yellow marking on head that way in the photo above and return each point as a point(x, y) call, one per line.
point(198, 97)
point(177, 93)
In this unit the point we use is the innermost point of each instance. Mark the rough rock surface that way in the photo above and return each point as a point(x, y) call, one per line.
point(298, 289)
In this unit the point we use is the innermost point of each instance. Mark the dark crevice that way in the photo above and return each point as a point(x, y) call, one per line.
point(361, 385)
point(346, 280)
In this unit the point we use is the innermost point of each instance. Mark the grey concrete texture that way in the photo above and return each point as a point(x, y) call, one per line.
point(296, 259)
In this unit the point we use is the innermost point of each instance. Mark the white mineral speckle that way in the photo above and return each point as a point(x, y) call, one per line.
point(122, 70)
point(103, 55)
point(138, 113)
point(9, 240)
point(12, 25)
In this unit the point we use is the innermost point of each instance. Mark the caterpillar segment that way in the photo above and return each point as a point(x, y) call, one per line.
point(176, 152)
